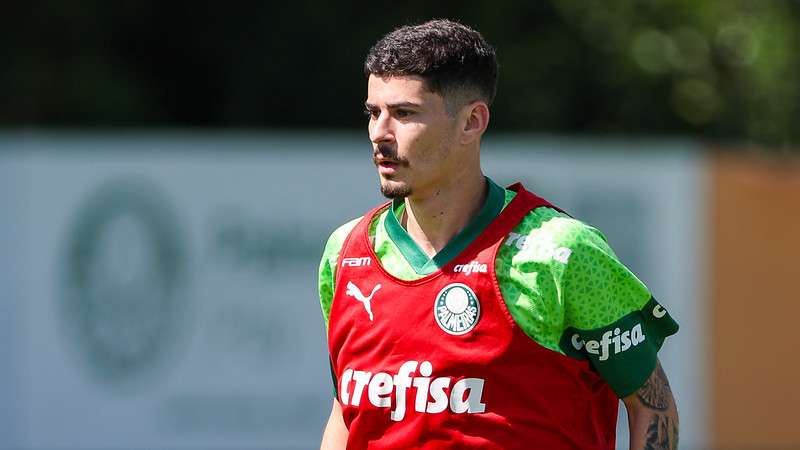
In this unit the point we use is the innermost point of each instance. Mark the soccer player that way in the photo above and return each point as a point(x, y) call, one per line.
point(468, 315)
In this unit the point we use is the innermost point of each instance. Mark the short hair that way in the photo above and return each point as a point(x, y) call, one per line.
point(454, 60)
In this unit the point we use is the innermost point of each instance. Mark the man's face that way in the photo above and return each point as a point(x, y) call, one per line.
point(411, 135)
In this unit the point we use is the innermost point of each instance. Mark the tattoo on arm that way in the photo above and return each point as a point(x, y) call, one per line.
point(656, 393)
point(662, 432)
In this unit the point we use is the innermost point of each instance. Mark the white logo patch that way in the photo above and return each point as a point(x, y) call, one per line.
point(622, 341)
point(355, 292)
point(456, 309)
point(472, 267)
point(356, 262)
point(385, 390)
point(543, 250)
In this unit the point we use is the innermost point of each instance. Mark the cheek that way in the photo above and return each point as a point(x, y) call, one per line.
point(428, 145)
point(411, 142)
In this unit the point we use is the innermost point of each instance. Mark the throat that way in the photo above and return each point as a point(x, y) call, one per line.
point(432, 233)
point(434, 222)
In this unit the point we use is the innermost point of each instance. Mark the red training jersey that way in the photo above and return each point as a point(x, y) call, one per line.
point(439, 362)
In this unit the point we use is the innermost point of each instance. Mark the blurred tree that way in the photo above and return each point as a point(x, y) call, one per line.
point(720, 69)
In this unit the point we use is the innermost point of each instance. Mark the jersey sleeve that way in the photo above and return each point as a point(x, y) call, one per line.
point(610, 316)
point(327, 275)
point(327, 266)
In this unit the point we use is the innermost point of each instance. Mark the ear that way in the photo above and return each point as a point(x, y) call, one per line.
point(475, 120)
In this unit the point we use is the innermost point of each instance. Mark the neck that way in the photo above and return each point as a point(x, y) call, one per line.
point(434, 220)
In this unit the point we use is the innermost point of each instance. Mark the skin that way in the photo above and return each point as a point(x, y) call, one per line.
point(652, 414)
point(431, 158)
point(335, 435)
point(436, 156)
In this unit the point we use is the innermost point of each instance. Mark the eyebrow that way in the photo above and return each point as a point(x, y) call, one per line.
point(369, 105)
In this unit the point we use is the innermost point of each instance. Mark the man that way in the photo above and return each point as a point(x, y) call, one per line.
point(465, 315)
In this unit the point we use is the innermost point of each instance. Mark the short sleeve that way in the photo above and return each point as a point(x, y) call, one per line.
point(327, 274)
point(327, 266)
point(611, 318)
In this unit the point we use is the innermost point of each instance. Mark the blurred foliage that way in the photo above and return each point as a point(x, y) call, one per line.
point(724, 70)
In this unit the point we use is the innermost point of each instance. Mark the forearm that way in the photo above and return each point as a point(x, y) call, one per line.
point(652, 414)
point(335, 435)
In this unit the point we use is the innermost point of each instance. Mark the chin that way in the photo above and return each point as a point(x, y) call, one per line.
point(395, 189)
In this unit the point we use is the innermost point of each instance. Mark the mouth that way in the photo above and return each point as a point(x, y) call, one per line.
point(387, 166)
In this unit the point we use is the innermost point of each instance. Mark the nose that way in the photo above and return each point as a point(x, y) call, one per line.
point(380, 128)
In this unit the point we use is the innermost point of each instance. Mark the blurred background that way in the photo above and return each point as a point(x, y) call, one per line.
point(169, 172)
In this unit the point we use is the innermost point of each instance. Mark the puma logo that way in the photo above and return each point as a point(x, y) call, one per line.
point(355, 292)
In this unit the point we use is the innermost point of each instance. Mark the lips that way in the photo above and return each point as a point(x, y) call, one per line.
point(387, 167)
point(385, 162)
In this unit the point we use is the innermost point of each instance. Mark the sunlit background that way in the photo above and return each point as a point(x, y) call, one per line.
point(169, 172)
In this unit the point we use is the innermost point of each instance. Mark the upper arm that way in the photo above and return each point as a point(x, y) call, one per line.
point(652, 414)
point(327, 266)
point(610, 317)
point(654, 394)
point(327, 275)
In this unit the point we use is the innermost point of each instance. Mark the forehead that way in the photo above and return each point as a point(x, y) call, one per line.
point(396, 89)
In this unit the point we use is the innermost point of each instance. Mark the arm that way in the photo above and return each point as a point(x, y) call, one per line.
point(335, 435)
point(591, 276)
point(652, 414)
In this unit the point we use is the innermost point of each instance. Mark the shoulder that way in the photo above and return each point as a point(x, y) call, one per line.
point(546, 234)
point(530, 268)
point(327, 265)
point(336, 239)
point(338, 235)
point(569, 267)
point(593, 285)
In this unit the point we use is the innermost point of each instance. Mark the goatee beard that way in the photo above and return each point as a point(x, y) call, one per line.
point(395, 192)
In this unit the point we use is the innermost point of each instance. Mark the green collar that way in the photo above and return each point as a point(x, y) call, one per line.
point(418, 260)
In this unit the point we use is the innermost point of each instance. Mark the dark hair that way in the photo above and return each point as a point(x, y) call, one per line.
point(453, 59)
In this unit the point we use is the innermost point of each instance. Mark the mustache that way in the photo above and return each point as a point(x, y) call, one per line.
point(387, 152)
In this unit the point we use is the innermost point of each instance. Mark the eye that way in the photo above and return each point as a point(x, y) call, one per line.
point(371, 113)
point(403, 113)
